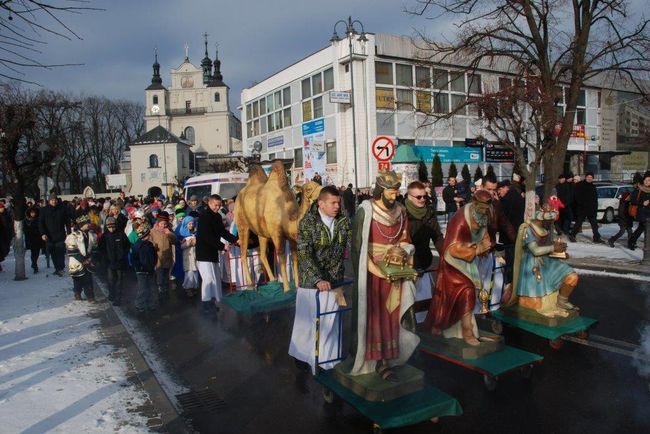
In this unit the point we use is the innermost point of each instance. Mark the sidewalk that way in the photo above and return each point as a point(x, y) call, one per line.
point(69, 366)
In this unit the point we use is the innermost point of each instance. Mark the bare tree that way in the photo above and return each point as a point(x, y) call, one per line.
point(26, 25)
point(544, 46)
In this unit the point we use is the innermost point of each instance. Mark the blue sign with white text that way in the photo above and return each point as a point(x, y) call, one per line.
point(313, 127)
point(449, 154)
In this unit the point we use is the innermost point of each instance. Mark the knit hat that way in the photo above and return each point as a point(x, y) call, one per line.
point(143, 229)
point(110, 222)
point(163, 216)
point(138, 214)
point(52, 196)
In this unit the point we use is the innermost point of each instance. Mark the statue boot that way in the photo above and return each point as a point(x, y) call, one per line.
point(468, 330)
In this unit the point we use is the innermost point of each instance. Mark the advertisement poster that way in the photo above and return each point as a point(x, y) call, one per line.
point(313, 140)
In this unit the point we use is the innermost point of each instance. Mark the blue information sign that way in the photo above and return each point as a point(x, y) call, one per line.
point(313, 127)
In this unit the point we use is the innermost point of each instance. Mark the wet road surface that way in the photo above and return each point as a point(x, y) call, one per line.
point(255, 387)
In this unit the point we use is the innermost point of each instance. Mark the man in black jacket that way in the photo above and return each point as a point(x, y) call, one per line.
point(208, 245)
point(115, 247)
point(641, 198)
point(54, 224)
point(586, 200)
point(452, 198)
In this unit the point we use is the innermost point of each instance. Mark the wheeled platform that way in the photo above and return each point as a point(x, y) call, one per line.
point(265, 299)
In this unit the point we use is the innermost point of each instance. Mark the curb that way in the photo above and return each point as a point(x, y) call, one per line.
point(168, 420)
point(631, 268)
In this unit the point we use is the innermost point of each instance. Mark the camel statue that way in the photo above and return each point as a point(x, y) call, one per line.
point(268, 207)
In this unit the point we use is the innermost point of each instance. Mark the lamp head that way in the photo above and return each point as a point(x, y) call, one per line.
point(335, 37)
point(362, 37)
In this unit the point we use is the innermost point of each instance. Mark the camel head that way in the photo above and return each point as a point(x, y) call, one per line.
point(256, 174)
point(310, 192)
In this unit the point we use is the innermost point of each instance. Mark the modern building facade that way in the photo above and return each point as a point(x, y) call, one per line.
point(304, 112)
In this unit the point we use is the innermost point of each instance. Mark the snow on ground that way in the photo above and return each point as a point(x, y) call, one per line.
point(57, 372)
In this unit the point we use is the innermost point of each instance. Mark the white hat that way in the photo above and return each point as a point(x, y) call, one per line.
point(516, 177)
point(478, 183)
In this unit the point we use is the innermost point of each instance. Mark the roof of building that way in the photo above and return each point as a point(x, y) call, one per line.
point(157, 135)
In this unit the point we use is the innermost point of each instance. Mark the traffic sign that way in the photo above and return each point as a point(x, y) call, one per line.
point(383, 165)
point(383, 148)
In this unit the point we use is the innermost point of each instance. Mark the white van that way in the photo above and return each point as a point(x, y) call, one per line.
point(226, 185)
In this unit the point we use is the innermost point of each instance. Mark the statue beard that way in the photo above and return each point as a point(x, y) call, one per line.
point(480, 219)
point(388, 203)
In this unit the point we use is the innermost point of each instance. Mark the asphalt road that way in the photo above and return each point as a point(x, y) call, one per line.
point(248, 383)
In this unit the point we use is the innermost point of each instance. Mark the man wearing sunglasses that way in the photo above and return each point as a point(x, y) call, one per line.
point(423, 228)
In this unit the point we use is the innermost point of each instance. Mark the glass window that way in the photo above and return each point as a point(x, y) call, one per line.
point(306, 111)
point(188, 106)
point(316, 84)
point(441, 102)
point(423, 101)
point(155, 99)
point(582, 98)
point(328, 79)
point(249, 112)
point(318, 107)
point(256, 111)
point(404, 75)
point(262, 106)
point(277, 120)
point(256, 127)
point(287, 117)
point(249, 129)
point(286, 96)
point(330, 149)
point(269, 122)
point(278, 100)
point(385, 99)
point(422, 76)
point(474, 83)
point(217, 97)
point(457, 101)
point(153, 160)
point(270, 106)
point(580, 116)
point(272, 156)
point(385, 123)
point(404, 99)
point(189, 134)
point(458, 82)
point(297, 157)
point(440, 79)
point(306, 88)
point(384, 73)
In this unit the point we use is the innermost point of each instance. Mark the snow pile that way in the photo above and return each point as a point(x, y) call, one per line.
point(57, 372)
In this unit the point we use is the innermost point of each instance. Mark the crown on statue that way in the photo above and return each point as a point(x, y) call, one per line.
point(389, 179)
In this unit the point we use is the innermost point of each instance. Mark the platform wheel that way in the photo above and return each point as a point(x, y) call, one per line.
point(497, 326)
point(526, 371)
point(328, 395)
point(556, 344)
point(583, 334)
point(376, 429)
point(490, 382)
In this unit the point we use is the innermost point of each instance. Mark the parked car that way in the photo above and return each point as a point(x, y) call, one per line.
point(608, 200)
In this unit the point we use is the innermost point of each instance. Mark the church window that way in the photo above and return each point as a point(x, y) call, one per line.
point(189, 134)
point(217, 97)
point(153, 161)
point(188, 106)
point(155, 99)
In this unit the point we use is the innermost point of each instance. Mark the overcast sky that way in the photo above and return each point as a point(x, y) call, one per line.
point(256, 39)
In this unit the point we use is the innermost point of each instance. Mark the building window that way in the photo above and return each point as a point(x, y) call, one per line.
point(386, 123)
point(297, 158)
point(217, 97)
point(404, 99)
point(272, 156)
point(306, 88)
point(404, 75)
point(155, 99)
point(330, 149)
point(153, 161)
point(188, 106)
point(189, 134)
point(384, 98)
point(318, 107)
point(383, 73)
point(328, 79)
point(422, 77)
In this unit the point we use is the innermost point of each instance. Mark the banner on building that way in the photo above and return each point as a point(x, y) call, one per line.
point(313, 148)
point(449, 154)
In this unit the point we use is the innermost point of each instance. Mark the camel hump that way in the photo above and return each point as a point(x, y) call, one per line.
point(278, 174)
point(257, 174)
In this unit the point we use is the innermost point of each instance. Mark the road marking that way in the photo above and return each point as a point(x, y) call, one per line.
point(606, 344)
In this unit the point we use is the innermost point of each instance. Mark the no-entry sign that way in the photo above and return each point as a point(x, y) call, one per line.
point(383, 148)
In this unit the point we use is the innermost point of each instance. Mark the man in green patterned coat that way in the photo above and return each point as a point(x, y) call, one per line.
point(323, 237)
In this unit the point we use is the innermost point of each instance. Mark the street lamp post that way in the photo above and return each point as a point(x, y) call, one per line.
point(351, 32)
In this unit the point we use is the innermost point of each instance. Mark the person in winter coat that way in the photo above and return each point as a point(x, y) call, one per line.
point(79, 246)
point(54, 224)
point(586, 200)
point(187, 239)
point(640, 198)
point(164, 241)
point(625, 221)
point(143, 257)
point(6, 232)
point(33, 241)
point(115, 246)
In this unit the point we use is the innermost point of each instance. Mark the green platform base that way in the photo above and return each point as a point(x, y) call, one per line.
point(535, 317)
point(575, 325)
point(372, 387)
point(490, 343)
point(493, 364)
point(414, 408)
point(266, 298)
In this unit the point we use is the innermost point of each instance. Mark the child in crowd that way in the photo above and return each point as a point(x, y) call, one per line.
point(115, 246)
point(79, 245)
point(33, 241)
point(143, 257)
point(187, 237)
